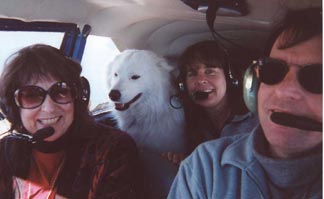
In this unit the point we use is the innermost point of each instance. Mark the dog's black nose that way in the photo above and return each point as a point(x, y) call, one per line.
point(114, 95)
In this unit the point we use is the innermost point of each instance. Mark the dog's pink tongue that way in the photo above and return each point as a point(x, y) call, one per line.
point(120, 106)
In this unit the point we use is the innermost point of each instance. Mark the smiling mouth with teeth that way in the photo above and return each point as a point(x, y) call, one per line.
point(49, 121)
point(205, 91)
point(125, 106)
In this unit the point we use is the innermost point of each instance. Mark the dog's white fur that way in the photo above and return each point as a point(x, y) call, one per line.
point(150, 120)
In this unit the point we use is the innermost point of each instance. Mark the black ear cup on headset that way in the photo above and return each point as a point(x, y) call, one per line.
point(84, 95)
point(250, 88)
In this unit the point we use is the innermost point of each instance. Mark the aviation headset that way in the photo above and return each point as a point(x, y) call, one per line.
point(250, 81)
point(231, 81)
point(250, 88)
point(82, 95)
point(84, 91)
point(309, 20)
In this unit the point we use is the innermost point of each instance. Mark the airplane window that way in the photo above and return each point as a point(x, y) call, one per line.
point(12, 41)
point(98, 52)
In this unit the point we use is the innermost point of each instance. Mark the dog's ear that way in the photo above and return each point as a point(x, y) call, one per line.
point(172, 70)
point(172, 62)
point(164, 64)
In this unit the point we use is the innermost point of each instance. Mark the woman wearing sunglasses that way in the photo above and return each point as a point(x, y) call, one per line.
point(210, 95)
point(54, 148)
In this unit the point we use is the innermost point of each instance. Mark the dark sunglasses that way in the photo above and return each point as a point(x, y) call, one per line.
point(29, 97)
point(272, 71)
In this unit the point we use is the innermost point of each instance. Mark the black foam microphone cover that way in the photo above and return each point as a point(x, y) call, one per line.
point(43, 133)
point(293, 121)
point(200, 95)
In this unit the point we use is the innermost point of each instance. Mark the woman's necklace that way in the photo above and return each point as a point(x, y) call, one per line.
point(52, 183)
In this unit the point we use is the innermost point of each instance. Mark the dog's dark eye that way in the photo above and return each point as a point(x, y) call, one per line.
point(135, 76)
point(116, 74)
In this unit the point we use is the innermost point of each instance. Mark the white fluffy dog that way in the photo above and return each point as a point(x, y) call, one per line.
point(140, 87)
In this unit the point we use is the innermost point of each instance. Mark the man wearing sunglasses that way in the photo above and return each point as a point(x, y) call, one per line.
point(283, 157)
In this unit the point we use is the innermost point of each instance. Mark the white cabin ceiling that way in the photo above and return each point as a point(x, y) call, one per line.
point(166, 26)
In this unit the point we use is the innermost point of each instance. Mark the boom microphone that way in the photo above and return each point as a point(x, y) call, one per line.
point(39, 135)
point(299, 122)
point(42, 134)
point(200, 95)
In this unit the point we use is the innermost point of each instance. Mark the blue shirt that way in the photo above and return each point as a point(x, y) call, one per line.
point(227, 168)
